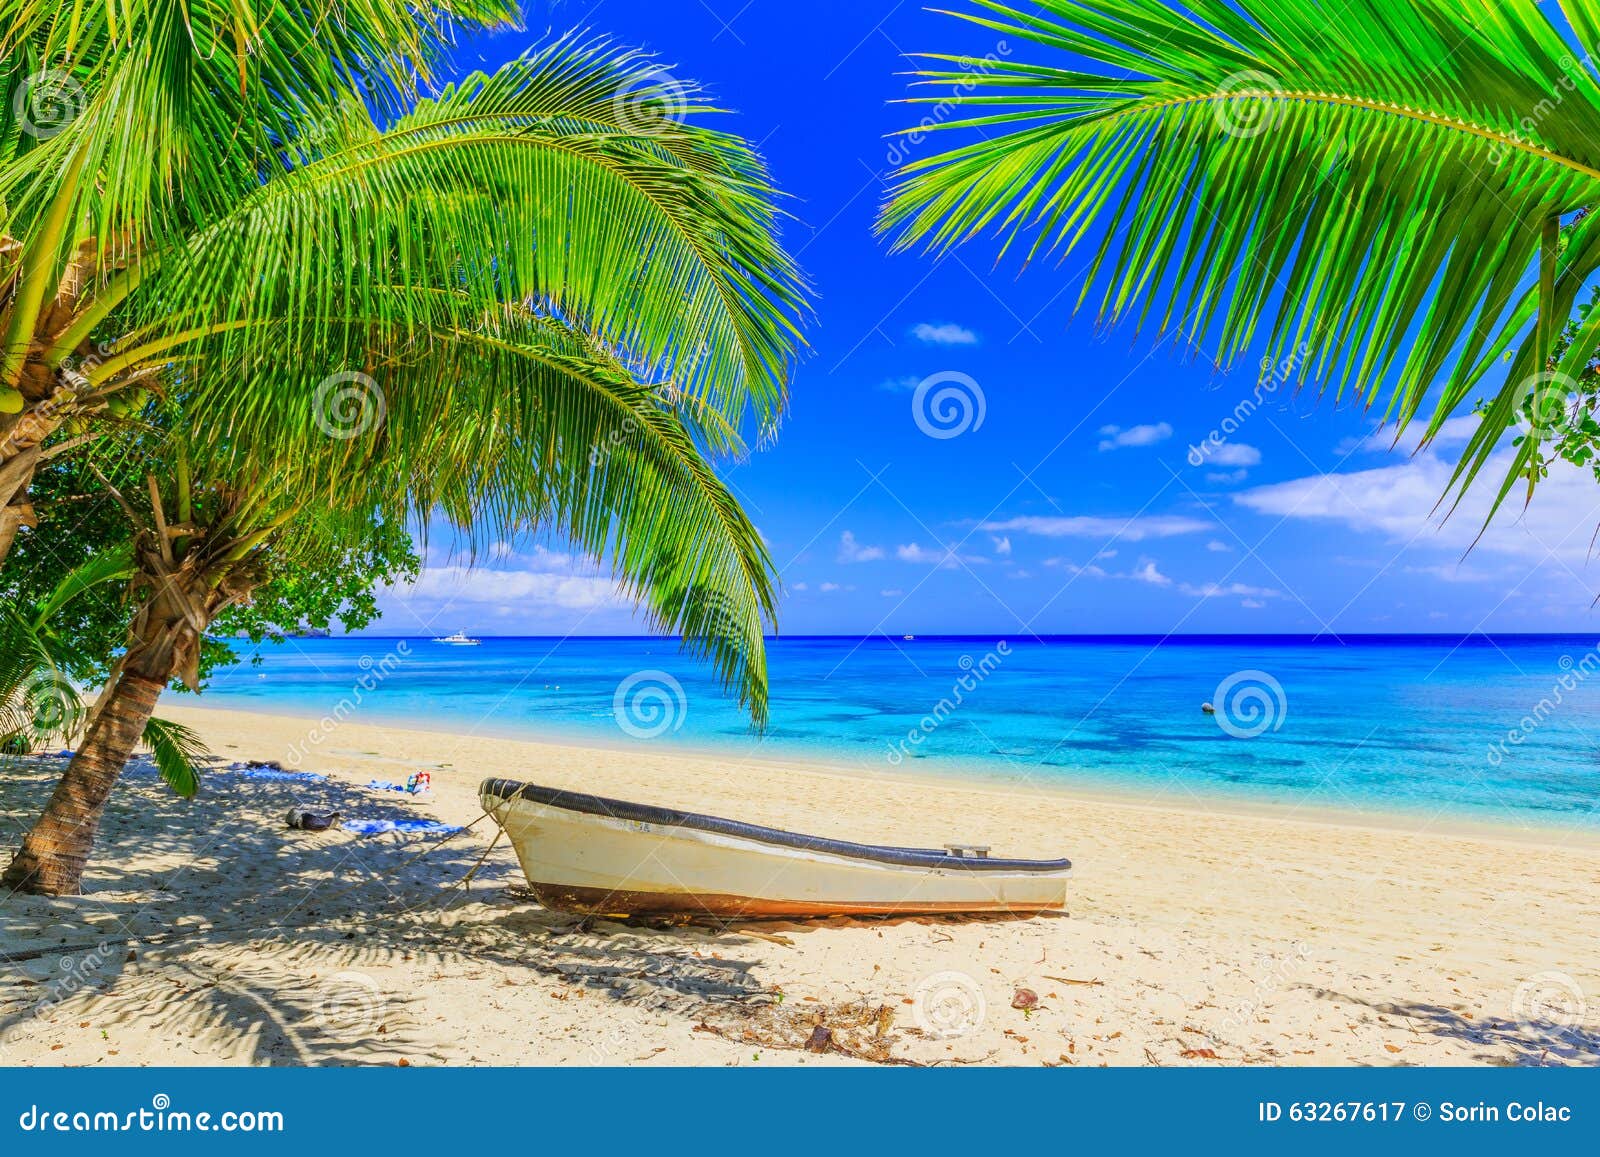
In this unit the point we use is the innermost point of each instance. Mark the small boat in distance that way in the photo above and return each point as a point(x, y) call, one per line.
point(606, 857)
point(459, 639)
point(908, 638)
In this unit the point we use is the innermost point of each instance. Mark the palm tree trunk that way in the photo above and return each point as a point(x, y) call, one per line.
point(163, 642)
point(54, 854)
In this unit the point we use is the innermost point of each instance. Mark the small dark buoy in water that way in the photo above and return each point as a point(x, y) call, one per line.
point(1208, 709)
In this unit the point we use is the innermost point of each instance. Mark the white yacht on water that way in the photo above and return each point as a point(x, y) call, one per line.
point(459, 639)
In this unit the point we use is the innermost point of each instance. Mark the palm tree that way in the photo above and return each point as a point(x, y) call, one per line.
point(577, 445)
point(1378, 193)
point(127, 125)
point(39, 702)
point(575, 180)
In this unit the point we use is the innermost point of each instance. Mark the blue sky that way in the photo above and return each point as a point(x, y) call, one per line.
point(1074, 504)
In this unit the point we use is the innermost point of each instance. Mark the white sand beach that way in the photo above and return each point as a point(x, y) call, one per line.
point(1196, 934)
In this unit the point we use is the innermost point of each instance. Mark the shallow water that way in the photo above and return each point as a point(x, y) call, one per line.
point(1501, 727)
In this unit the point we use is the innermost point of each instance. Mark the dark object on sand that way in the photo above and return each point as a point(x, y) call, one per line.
point(305, 820)
point(1025, 998)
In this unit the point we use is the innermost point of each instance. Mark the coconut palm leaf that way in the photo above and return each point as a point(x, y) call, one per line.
point(532, 425)
point(178, 752)
point(1370, 191)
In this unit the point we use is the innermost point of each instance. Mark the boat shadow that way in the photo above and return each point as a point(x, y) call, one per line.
point(1499, 1040)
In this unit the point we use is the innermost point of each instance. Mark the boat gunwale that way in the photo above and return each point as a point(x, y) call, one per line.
point(511, 790)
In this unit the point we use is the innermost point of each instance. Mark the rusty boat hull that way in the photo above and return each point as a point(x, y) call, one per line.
point(588, 854)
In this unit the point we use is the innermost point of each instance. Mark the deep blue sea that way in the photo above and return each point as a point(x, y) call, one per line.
point(1488, 727)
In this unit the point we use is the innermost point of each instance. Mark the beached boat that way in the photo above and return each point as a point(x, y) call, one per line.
point(584, 853)
point(459, 639)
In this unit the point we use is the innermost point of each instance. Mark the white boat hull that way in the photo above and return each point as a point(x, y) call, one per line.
point(587, 854)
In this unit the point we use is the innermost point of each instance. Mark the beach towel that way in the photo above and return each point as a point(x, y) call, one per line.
point(419, 827)
point(385, 785)
point(275, 774)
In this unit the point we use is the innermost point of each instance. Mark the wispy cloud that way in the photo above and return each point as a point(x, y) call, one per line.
point(1232, 454)
point(1135, 529)
point(943, 556)
point(852, 551)
point(1117, 438)
point(947, 333)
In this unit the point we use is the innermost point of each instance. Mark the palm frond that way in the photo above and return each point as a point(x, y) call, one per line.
point(178, 751)
point(1370, 191)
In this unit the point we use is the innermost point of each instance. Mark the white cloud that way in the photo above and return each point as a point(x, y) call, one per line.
point(1226, 476)
point(1253, 604)
point(944, 556)
point(1228, 454)
point(1225, 590)
point(1401, 502)
point(799, 587)
point(1147, 573)
point(892, 593)
point(1135, 529)
point(1216, 547)
point(459, 584)
point(828, 588)
point(1454, 432)
point(1115, 437)
point(946, 334)
point(852, 551)
point(1104, 554)
point(895, 385)
point(1002, 546)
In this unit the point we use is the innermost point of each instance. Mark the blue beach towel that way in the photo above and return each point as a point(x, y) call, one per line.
point(420, 827)
point(385, 785)
point(274, 774)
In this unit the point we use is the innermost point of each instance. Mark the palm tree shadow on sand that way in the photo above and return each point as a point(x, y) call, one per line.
point(1535, 1040)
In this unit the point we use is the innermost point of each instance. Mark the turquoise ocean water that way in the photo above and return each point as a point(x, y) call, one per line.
point(1504, 727)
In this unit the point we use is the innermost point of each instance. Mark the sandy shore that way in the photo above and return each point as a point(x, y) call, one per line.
point(211, 935)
